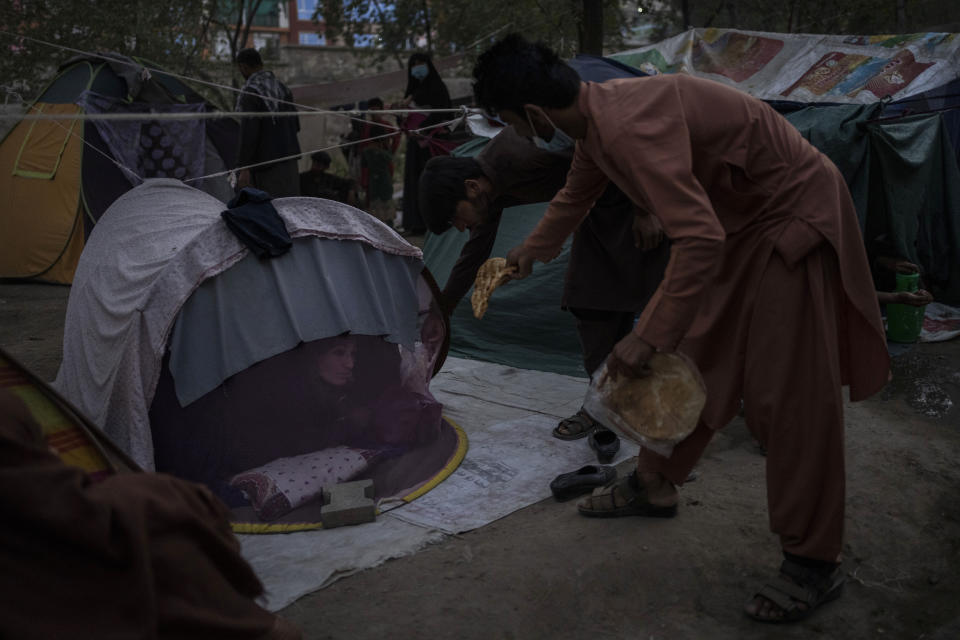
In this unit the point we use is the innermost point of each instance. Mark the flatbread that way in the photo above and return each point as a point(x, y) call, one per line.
point(664, 405)
point(492, 273)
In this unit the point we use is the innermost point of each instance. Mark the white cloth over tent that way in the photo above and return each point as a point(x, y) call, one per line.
point(146, 255)
point(807, 68)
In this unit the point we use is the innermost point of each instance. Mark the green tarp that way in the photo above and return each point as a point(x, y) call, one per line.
point(524, 326)
point(904, 180)
point(903, 176)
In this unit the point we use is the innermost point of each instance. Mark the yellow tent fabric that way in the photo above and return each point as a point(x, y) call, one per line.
point(76, 441)
point(41, 228)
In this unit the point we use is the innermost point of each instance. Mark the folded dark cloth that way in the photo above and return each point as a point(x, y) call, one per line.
point(131, 555)
point(253, 219)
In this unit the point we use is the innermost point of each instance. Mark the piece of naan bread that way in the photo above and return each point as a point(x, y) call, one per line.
point(664, 405)
point(492, 273)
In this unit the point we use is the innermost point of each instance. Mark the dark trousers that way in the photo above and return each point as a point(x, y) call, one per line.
point(599, 331)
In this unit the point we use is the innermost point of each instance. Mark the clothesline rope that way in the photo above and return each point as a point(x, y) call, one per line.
point(215, 115)
point(303, 110)
point(334, 146)
point(137, 176)
point(353, 114)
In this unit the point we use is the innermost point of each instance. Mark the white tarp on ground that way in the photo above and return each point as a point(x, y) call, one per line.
point(807, 68)
point(508, 415)
point(291, 565)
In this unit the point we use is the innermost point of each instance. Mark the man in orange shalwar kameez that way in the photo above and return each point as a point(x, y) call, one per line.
point(768, 288)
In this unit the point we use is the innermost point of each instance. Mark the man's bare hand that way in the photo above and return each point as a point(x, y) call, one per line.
point(521, 259)
point(629, 358)
point(647, 232)
point(914, 298)
point(899, 265)
point(244, 179)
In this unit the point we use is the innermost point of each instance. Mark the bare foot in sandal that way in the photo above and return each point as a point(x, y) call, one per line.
point(795, 593)
point(653, 496)
point(577, 426)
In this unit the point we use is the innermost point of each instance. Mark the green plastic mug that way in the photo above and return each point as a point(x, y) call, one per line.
point(905, 321)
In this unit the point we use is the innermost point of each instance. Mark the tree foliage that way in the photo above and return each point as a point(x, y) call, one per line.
point(233, 18)
point(451, 26)
point(171, 34)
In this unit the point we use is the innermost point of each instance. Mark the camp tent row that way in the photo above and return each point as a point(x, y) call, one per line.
point(57, 177)
point(885, 109)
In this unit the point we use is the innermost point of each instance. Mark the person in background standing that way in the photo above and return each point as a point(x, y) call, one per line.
point(376, 162)
point(425, 88)
point(266, 138)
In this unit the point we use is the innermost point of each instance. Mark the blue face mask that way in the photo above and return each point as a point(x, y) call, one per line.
point(419, 71)
point(559, 143)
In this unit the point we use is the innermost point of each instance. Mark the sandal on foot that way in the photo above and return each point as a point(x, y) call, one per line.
point(623, 497)
point(577, 426)
point(797, 591)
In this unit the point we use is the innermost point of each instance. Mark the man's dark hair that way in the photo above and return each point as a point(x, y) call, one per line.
point(321, 157)
point(374, 102)
point(515, 72)
point(250, 57)
point(441, 188)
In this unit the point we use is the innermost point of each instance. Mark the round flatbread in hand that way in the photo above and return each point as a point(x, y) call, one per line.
point(491, 275)
point(664, 405)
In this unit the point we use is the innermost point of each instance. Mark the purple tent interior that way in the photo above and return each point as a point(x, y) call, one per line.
point(347, 407)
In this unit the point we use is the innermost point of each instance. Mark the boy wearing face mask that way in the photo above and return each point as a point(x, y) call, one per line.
point(616, 260)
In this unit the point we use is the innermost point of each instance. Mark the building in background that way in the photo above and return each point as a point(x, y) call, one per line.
point(281, 23)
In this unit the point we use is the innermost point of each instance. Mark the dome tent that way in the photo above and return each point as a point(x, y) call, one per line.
point(200, 359)
point(57, 177)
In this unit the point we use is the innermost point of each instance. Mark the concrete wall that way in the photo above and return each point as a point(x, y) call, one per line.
point(312, 65)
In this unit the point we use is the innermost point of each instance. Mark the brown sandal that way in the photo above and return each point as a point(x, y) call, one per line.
point(632, 499)
point(797, 585)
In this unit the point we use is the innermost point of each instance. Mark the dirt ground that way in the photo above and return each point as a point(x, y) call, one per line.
point(546, 572)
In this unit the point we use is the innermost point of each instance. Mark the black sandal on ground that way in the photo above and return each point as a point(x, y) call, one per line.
point(605, 443)
point(581, 481)
point(798, 591)
point(602, 503)
point(577, 426)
